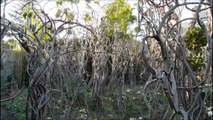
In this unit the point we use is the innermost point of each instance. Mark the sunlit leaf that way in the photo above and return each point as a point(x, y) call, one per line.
point(58, 13)
point(58, 2)
point(29, 15)
point(24, 15)
point(119, 15)
point(12, 43)
point(87, 18)
point(96, 2)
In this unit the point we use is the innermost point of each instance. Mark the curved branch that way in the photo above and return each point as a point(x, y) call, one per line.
point(13, 97)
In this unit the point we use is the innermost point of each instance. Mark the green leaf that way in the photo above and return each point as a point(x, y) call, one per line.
point(24, 15)
point(12, 43)
point(87, 18)
point(58, 13)
point(119, 15)
point(97, 3)
point(58, 2)
point(195, 38)
point(29, 15)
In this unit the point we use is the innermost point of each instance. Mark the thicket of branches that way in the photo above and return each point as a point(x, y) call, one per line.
point(67, 64)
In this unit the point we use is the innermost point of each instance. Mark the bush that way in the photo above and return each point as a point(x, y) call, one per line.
point(195, 38)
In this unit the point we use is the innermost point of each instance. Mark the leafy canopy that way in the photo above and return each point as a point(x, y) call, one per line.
point(195, 39)
point(33, 25)
point(118, 15)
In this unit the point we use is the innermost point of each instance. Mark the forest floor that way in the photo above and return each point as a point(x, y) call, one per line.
point(7, 114)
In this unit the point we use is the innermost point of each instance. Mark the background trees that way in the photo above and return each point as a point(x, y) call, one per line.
point(76, 68)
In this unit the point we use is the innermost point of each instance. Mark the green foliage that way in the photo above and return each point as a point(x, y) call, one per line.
point(27, 13)
point(12, 43)
point(24, 15)
point(87, 18)
point(118, 15)
point(146, 118)
point(17, 106)
point(96, 2)
point(33, 25)
point(133, 102)
point(209, 98)
point(58, 2)
point(196, 62)
point(195, 38)
point(58, 13)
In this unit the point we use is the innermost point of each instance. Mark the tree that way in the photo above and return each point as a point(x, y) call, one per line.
point(118, 16)
point(176, 76)
point(80, 69)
